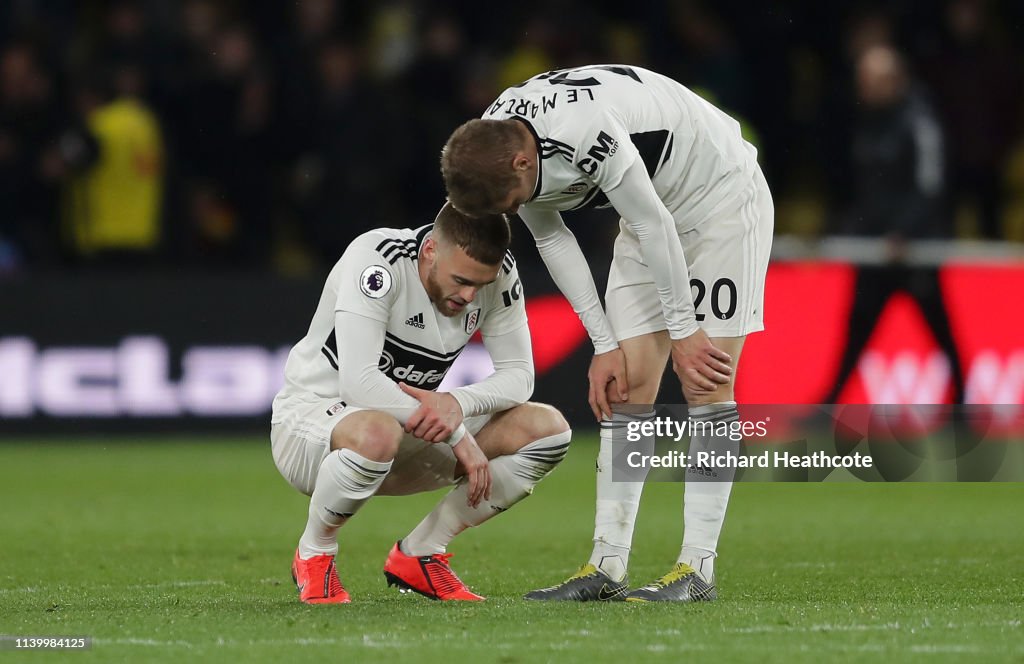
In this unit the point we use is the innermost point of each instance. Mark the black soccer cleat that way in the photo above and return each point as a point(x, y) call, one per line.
point(589, 584)
point(681, 584)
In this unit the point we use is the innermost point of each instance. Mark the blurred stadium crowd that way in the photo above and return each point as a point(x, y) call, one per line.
point(267, 134)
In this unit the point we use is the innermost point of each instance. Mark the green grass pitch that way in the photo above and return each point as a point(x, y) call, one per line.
point(179, 550)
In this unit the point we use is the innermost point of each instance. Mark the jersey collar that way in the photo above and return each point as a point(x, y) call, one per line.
point(536, 142)
point(422, 233)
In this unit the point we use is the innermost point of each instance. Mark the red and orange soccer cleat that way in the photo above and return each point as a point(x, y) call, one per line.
point(430, 576)
point(317, 580)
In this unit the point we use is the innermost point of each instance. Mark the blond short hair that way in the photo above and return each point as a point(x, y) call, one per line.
point(476, 164)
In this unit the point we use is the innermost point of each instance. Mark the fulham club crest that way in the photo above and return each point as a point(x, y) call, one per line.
point(472, 318)
point(375, 281)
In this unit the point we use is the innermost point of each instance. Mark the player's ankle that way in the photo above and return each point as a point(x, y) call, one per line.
point(307, 550)
point(611, 564)
point(701, 560)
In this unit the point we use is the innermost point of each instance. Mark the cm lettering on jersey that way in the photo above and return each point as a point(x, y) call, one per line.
point(605, 147)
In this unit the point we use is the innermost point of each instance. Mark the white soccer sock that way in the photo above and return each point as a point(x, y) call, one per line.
point(513, 477)
point(701, 560)
point(705, 498)
point(344, 482)
point(617, 502)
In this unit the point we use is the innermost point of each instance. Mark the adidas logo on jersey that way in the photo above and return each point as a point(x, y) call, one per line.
point(416, 321)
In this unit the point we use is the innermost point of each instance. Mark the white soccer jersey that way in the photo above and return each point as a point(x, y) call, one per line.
point(377, 278)
point(591, 124)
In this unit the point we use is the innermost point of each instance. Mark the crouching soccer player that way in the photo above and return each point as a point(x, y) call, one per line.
point(359, 414)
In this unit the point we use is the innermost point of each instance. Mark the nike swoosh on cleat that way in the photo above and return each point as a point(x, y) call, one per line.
point(603, 594)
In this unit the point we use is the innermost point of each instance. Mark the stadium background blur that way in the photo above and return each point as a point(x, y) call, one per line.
point(167, 170)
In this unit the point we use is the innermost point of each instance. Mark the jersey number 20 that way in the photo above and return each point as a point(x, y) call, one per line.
point(716, 295)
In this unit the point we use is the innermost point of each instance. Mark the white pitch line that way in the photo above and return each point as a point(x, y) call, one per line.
point(375, 641)
point(933, 649)
point(810, 564)
point(26, 589)
point(770, 629)
point(143, 642)
point(386, 641)
point(135, 586)
point(855, 627)
point(173, 584)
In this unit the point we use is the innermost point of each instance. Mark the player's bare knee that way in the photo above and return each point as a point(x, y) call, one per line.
point(539, 442)
point(718, 395)
point(529, 422)
point(544, 421)
point(374, 435)
point(380, 439)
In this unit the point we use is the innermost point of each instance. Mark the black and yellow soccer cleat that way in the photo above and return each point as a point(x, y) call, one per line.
point(589, 584)
point(681, 584)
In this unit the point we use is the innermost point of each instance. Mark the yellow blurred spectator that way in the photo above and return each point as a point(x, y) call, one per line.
point(114, 205)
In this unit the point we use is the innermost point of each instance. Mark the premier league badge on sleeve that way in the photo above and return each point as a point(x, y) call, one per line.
point(375, 281)
point(472, 318)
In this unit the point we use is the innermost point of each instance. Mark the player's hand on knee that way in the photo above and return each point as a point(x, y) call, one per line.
point(437, 417)
point(478, 472)
point(700, 366)
point(607, 374)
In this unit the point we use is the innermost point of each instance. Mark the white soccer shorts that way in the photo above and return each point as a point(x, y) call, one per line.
point(302, 439)
point(727, 256)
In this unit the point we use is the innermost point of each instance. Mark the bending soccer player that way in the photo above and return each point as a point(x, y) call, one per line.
point(359, 414)
point(686, 280)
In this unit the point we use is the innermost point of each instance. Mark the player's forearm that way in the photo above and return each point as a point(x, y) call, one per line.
point(510, 385)
point(638, 203)
point(672, 278)
point(571, 273)
point(368, 388)
point(360, 382)
point(504, 389)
